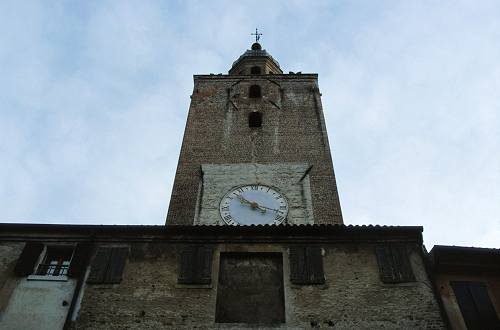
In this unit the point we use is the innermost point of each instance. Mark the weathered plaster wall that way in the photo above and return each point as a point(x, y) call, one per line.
point(38, 305)
point(352, 297)
point(9, 253)
point(217, 180)
point(217, 132)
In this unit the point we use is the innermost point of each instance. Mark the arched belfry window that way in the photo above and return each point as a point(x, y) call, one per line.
point(255, 119)
point(254, 91)
point(255, 70)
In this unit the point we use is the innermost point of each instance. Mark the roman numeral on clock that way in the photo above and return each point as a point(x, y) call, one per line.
point(279, 219)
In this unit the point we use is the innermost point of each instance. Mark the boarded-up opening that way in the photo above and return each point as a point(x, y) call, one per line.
point(250, 288)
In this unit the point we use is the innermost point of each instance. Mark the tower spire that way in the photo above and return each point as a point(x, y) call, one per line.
point(257, 35)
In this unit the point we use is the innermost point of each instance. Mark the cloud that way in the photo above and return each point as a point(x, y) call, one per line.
point(94, 98)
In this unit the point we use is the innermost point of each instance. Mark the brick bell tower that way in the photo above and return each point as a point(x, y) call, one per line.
point(255, 149)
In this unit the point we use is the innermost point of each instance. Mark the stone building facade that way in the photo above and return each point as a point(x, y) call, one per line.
point(254, 236)
point(151, 291)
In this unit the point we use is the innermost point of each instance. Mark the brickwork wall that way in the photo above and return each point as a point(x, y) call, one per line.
point(352, 297)
point(217, 132)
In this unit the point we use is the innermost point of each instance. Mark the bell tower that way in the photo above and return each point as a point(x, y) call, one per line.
point(255, 149)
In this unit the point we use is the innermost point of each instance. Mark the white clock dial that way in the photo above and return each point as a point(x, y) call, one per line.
point(253, 205)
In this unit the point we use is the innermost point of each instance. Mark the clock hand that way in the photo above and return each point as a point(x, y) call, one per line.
point(268, 208)
point(253, 205)
point(243, 200)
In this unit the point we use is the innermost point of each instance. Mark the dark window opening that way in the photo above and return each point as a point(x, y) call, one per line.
point(254, 91)
point(250, 289)
point(255, 70)
point(56, 261)
point(255, 119)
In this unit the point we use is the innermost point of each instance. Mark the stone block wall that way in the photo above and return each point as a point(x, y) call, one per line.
point(352, 297)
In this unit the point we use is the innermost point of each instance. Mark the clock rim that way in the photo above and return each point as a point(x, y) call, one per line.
point(258, 184)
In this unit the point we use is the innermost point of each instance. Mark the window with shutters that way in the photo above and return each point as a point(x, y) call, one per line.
point(475, 305)
point(306, 265)
point(52, 260)
point(195, 265)
point(108, 265)
point(394, 264)
point(56, 261)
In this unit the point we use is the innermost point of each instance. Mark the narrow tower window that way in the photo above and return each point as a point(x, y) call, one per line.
point(255, 70)
point(254, 91)
point(255, 119)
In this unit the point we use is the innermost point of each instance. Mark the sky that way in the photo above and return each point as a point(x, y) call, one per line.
point(94, 97)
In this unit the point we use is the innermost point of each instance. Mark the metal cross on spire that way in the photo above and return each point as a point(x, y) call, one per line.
point(256, 34)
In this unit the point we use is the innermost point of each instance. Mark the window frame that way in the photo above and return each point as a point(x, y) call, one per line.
point(45, 267)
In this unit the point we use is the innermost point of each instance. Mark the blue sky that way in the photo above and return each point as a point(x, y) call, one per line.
point(94, 97)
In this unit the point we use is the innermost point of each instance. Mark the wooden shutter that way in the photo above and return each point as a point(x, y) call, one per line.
point(116, 265)
point(475, 305)
point(466, 304)
point(394, 264)
point(195, 266)
point(306, 265)
point(314, 266)
point(186, 265)
point(108, 265)
point(29, 256)
point(204, 265)
point(384, 260)
point(402, 267)
point(298, 265)
point(99, 265)
point(486, 311)
point(79, 260)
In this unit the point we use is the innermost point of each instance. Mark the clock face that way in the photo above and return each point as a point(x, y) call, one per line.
point(253, 205)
